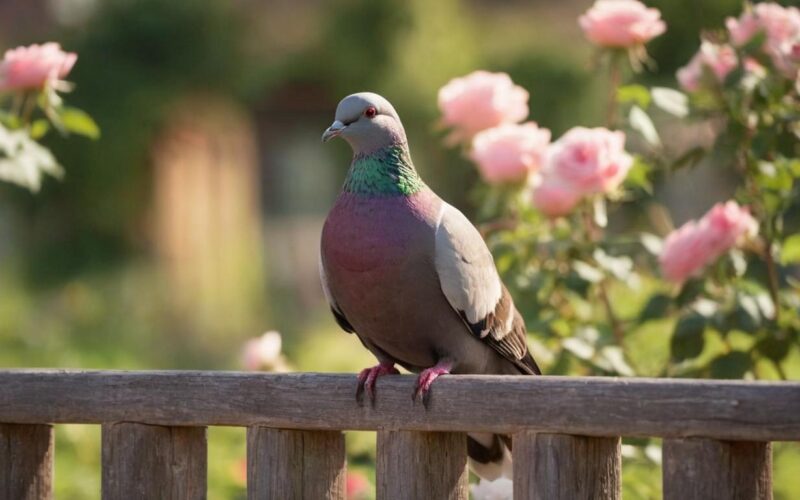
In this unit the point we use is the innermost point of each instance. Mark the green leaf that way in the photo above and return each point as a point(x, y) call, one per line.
point(790, 250)
point(652, 243)
point(78, 122)
point(732, 365)
point(639, 175)
point(738, 261)
point(10, 120)
point(27, 161)
point(746, 315)
point(687, 338)
point(705, 307)
point(689, 158)
point(587, 272)
point(657, 307)
point(755, 44)
point(775, 347)
point(579, 348)
point(670, 100)
point(690, 291)
point(612, 358)
point(644, 125)
point(619, 267)
point(39, 128)
point(599, 211)
point(637, 94)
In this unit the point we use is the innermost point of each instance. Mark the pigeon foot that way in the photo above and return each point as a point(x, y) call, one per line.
point(426, 378)
point(367, 378)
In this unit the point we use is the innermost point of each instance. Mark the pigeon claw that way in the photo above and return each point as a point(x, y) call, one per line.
point(425, 380)
point(367, 379)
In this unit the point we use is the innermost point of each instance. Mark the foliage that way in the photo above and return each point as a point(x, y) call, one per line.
point(30, 105)
point(106, 310)
point(137, 61)
point(569, 273)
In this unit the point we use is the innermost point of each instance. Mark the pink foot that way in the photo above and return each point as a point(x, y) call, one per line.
point(426, 378)
point(367, 379)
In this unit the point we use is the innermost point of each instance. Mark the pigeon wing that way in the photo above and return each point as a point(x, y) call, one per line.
point(338, 315)
point(470, 283)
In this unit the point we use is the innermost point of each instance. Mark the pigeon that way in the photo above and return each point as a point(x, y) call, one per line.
point(411, 277)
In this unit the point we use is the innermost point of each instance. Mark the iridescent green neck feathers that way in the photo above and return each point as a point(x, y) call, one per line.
point(386, 172)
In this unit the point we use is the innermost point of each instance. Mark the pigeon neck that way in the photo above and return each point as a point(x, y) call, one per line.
point(385, 172)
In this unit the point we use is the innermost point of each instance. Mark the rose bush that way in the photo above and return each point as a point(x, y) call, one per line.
point(780, 27)
point(720, 60)
point(589, 227)
point(30, 104)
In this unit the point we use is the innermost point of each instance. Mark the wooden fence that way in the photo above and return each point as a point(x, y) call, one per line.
point(566, 432)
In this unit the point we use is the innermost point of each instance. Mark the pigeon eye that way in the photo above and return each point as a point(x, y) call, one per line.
point(370, 112)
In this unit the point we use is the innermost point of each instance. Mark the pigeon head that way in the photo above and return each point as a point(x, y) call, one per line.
point(368, 122)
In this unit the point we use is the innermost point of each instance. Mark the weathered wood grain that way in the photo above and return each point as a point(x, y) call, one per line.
point(562, 467)
point(421, 466)
point(731, 410)
point(705, 469)
point(142, 462)
point(26, 462)
point(295, 465)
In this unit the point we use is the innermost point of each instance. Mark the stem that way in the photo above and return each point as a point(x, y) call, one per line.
point(779, 369)
point(756, 372)
point(614, 77)
point(616, 326)
point(507, 223)
point(16, 105)
point(772, 277)
point(594, 234)
point(27, 109)
point(764, 223)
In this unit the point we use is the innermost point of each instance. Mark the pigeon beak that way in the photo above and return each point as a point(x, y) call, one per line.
point(334, 130)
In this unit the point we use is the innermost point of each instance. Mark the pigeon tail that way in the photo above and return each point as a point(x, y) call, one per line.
point(490, 455)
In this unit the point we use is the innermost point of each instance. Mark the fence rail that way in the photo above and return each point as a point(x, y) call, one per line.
point(565, 432)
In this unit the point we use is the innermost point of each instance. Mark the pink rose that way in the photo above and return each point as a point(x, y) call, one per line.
point(727, 225)
point(590, 160)
point(719, 59)
point(696, 244)
point(509, 152)
point(685, 253)
point(356, 485)
point(481, 100)
point(264, 353)
point(787, 58)
point(753, 67)
point(621, 23)
point(35, 66)
point(781, 26)
point(555, 198)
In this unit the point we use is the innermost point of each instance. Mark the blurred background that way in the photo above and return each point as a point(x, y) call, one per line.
point(193, 224)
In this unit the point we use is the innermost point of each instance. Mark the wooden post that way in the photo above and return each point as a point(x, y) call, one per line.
point(699, 468)
point(289, 465)
point(422, 466)
point(562, 467)
point(26, 462)
point(149, 461)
